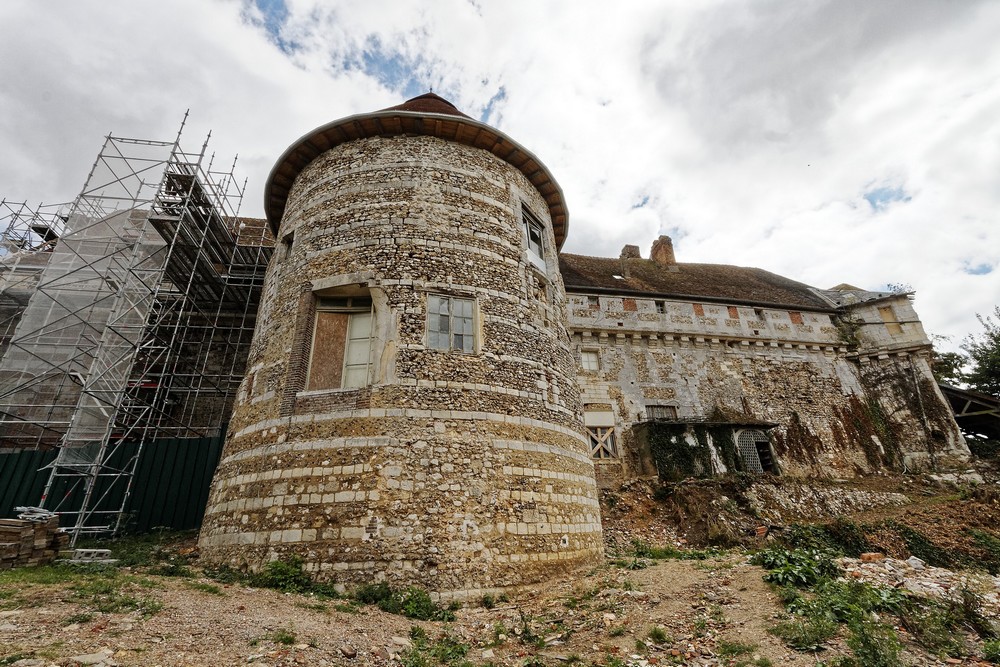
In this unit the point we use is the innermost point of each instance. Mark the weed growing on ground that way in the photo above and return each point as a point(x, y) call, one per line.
point(487, 601)
point(805, 633)
point(82, 617)
point(282, 636)
point(658, 635)
point(874, 644)
point(617, 631)
point(446, 650)
point(991, 650)
point(801, 568)
point(411, 602)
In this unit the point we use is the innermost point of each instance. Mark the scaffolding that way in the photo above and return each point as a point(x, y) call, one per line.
point(138, 325)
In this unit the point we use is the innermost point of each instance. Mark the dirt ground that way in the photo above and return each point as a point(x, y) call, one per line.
point(592, 618)
point(686, 612)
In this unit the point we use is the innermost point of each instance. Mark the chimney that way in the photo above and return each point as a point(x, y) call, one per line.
point(663, 251)
point(631, 252)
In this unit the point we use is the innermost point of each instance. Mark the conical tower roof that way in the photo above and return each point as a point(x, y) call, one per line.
point(426, 114)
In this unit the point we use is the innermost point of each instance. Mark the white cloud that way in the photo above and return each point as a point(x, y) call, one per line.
point(750, 131)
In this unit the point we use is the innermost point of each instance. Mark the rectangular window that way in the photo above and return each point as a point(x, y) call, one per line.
point(342, 343)
point(451, 323)
point(661, 307)
point(534, 232)
point(602, 442)
point(889, 317)
point(661, 412)
point(590, 360)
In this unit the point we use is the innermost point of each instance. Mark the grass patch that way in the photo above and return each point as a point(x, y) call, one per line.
point(641, 549)
point(991, 650)
point(144, 550)
point(728, 649)
point(203, 587)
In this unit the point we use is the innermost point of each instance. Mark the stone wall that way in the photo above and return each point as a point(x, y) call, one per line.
point(845, 399)
point(462, 472)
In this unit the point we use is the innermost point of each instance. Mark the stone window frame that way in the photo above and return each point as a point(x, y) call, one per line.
point(586, 353)
point(475, 333)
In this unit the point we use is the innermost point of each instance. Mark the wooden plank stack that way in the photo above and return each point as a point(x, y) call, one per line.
point(30, 542)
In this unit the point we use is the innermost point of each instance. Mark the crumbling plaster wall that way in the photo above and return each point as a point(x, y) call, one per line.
point(793, 368)
point(463, 473)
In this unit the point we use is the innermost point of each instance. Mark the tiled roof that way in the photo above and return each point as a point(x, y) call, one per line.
point(716, 282)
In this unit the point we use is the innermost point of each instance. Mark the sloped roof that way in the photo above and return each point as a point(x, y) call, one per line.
point(712, 282)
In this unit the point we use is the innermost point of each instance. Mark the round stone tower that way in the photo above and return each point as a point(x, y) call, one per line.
point(410, 411)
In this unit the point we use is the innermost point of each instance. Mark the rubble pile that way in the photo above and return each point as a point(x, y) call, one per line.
point(24, 542)
point(920, 579)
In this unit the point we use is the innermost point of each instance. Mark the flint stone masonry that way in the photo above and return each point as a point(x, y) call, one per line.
point(458, 472)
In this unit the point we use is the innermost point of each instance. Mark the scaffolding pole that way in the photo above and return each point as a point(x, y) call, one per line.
point(138, 326)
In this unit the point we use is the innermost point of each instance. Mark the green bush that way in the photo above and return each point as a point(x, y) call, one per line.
point(801, 568)
point(284, 575)
point(411, 602)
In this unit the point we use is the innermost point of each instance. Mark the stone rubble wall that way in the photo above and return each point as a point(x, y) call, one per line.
point(462, 473)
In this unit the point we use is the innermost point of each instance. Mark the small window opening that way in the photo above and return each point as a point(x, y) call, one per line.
point(661, 307)
point(534, 232)
point(590, 360)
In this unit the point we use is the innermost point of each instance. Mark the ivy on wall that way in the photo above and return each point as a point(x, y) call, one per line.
point(677, 455)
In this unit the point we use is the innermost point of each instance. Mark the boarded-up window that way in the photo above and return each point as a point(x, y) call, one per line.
point(600, 422)
point(699, 310)
point(342, 342)
point(795, 317)
point(734, 313)
point(661, 412)
point(889, 317)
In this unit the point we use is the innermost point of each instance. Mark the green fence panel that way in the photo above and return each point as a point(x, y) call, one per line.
point(170, 486)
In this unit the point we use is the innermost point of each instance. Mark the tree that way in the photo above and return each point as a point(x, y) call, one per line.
point(984, 354)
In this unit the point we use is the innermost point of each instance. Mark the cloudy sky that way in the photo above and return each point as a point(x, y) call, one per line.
point(842, 141)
